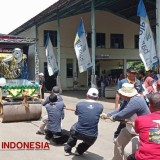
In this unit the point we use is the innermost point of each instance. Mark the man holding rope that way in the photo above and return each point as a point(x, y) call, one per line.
point(55, 111)
point(86, 129)
point(55, 90)
point(136, 106)
point(148, 128)
point(131, 79)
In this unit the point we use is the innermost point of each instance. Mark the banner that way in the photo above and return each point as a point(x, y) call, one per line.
point(81, 49)
point(147, 49)
point(51, 61)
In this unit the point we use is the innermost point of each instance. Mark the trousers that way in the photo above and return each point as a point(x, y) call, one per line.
point(58, 137)
point(131, 148)
point(121, 142)
point(87, 141)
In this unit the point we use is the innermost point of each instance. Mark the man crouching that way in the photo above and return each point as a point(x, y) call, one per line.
point(86, 129)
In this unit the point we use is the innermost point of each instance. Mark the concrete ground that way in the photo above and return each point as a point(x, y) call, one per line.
point(26, 132)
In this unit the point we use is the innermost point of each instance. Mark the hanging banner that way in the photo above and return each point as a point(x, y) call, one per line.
point(81, 49)
point(147, 49)
point(51, 61)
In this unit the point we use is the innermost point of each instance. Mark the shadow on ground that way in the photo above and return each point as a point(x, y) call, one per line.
point(88, 156)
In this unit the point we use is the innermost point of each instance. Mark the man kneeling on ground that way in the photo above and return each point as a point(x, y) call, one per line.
point(55, 112)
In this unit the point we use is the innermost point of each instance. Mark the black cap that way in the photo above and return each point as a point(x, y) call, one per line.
point(131, 69)
point(142, 72)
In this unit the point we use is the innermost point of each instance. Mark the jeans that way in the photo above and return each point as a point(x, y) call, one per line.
point(121, 124)
point(82, 147)
point(120, 127)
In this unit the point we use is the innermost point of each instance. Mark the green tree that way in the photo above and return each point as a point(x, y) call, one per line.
point(136, 64)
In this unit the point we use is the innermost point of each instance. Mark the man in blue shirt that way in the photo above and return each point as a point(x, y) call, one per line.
point(131, 78)
point(56, 91)
point(86, 129)
point(55, 111)
point(135, 106)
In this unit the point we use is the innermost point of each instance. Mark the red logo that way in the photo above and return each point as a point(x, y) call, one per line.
point(25, 145)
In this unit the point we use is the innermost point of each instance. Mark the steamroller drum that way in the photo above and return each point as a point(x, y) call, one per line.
point(16, 112)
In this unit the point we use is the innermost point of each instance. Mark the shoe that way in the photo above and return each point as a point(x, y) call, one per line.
point(47, 138)
point(40, 132)
point(67, 153)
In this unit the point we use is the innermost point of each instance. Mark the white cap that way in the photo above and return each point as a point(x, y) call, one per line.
point(41, 74)
point(93, 92)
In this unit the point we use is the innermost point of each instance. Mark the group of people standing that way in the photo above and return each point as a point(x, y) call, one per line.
point(140, 105)
point(138, 135)
point(85, 129)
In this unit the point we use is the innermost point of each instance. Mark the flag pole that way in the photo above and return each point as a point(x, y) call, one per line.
point(158, 31)
point(93, 78)
point(59, 52)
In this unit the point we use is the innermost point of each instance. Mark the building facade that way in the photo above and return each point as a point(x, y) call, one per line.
point(116, 44)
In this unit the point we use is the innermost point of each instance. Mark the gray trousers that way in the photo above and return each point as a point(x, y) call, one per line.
point(121, 142)
point(131, 147)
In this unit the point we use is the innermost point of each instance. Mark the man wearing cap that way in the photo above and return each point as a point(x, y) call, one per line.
point(86, 129)
point(131, 78)
point(42, 85)
point(135, 106)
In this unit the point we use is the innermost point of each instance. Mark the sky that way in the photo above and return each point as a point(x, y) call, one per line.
point(13, 13)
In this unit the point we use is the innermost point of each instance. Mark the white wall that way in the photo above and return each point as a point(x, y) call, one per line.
point(105, 23)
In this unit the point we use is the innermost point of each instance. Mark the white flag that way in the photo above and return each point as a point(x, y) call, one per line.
point(147, 49)
point(81, 49)
point(51, 61)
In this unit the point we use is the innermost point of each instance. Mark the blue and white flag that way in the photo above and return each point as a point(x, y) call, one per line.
point(51, 61)
point(81, 49)
point(147, 50)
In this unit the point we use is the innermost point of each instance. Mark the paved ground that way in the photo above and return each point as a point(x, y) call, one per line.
point(26, 132)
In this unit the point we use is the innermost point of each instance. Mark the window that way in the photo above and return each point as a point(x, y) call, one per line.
point(53, 37)
point(69, 68)
point(117, 41)
point(89, 39)
point(100, 40)
point(136, 41)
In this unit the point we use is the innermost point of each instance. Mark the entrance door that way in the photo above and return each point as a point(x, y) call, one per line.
point(50, 81)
